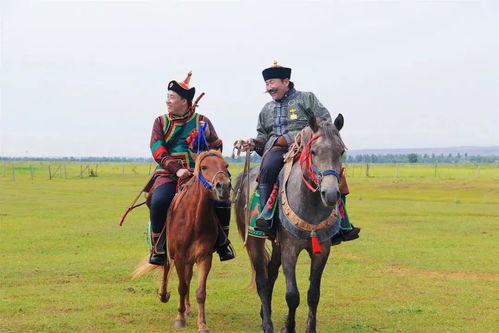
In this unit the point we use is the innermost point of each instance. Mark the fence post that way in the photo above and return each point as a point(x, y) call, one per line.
point(65, 173)
point(367, 170)
point(122, 169)
point(436, 169)
point(478, 171)
point(13, 173)
point(31, 172)
point(50, 173)
point(397, 167)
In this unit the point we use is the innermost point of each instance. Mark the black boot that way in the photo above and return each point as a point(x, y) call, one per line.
point(158, 252)
point(347, 231)
point(224, 247)
point(265, 190)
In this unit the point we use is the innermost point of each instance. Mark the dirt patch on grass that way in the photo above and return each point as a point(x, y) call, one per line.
point(448, 275)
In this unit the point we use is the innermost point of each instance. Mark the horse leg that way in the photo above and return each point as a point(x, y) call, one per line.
point(273, 271)
point(314, 291)
point(289, 258)
point(204, 267)
point(164, 294)
point(257, 256)
point(183, 287)
point(188, 311)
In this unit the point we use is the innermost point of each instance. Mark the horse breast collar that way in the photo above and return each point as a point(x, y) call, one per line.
point(295, 219)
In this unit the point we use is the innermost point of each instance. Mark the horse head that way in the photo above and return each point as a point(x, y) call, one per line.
point(321, 158)
point(212, 172)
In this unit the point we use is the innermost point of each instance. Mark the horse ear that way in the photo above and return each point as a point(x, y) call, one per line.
point(312, 122)
point(339, 121)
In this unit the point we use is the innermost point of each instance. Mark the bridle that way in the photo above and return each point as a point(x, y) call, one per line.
point(311, 171)
point(206, 183)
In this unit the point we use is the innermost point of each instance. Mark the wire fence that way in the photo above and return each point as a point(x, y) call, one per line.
point(74, 170)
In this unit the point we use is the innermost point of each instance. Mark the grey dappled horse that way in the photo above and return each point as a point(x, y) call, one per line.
point(314, 207)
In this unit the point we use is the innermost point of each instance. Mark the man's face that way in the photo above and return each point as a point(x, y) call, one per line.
point(175, 104)
point(277, 88)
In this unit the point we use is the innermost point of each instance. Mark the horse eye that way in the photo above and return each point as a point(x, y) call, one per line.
point(204, 167)
point(343, 152)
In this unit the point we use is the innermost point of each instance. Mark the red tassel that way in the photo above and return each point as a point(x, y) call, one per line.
point(316, 247)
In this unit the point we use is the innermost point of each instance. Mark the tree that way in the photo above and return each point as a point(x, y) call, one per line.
point(413, 158)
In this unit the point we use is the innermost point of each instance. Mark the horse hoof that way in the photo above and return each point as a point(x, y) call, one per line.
point(164, 297)
point(179, 323)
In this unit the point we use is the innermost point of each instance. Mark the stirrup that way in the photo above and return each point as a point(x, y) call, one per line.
point(226, 252)
point(157, 259)
point(262, 224)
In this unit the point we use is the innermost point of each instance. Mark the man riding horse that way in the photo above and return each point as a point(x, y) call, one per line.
point(278, 123)
point(173, 139)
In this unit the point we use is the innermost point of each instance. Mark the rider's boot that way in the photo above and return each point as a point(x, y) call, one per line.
point(265, 189)
point(158, 249)
point(224, 247)
point(347, 231)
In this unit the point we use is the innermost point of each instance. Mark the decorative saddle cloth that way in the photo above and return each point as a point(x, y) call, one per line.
point(288, 219)
point(267, 213)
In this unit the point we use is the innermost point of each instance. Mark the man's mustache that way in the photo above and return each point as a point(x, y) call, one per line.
point(271, 91)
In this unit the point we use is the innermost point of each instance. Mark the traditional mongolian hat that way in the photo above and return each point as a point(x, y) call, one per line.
point(276, 72)
point(182, 88)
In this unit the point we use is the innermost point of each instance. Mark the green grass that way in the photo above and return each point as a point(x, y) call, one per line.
point(426, 260)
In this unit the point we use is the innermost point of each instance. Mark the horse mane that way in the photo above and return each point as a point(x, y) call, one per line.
point(326, 128)
point(330, 131)
point(201, 156)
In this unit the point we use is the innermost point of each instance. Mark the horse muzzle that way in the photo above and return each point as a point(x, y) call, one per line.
point(330, 197)
point(222, 191)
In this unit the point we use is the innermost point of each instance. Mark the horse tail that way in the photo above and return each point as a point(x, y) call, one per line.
point(257, 252)
point(239, 200)
point(144, 268)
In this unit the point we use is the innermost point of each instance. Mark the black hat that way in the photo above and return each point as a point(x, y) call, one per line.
point(182, 88)
point(276, 72)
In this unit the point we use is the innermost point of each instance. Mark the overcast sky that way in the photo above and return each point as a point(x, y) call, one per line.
point(87, 78)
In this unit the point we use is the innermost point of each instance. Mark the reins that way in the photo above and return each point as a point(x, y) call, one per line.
point(236, 153)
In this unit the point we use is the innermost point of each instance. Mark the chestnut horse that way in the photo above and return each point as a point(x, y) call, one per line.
point(192, 231)
point(317, 204)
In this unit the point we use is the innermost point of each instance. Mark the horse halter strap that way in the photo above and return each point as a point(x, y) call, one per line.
point(203, 181)
point(310, 170)
point(207, 184)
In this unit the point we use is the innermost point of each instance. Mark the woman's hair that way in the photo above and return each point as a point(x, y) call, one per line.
point(291, 85)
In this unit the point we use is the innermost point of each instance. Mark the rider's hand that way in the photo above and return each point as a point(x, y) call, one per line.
point(183, 173)
point(249, 145)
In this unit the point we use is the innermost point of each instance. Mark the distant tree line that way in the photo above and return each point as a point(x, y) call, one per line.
point(364, 158)
point(81, 159)
point(420, 158)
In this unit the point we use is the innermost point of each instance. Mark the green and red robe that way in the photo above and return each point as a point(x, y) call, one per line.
point(169, 147)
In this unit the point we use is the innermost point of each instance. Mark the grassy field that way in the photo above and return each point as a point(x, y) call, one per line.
point(426, 260)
